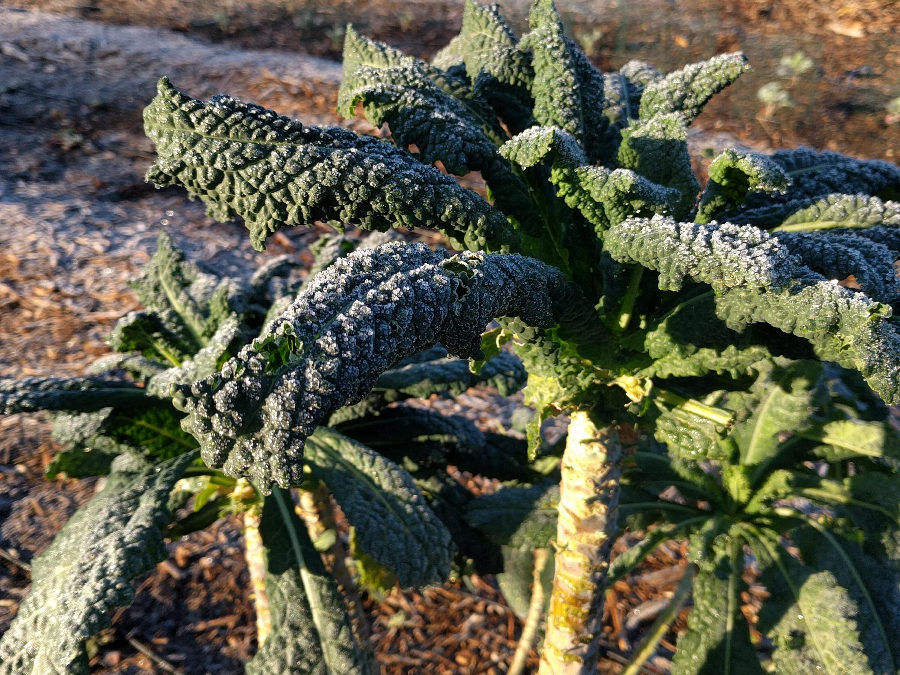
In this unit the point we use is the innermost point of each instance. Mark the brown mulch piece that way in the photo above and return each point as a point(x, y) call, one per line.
point(448, 629)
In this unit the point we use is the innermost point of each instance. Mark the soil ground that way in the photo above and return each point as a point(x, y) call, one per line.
point(77, 220)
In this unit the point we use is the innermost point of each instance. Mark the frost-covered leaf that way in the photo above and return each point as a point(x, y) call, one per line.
point(873, 585)
point(393, 524)
point(78, 394)
point(487, 45)
point(353, 322)
point(686, 91)
point(838, 256)
point(487, 49)
point(656, 148)
point(446, 123)
point(89, 569)
point(567, 89)
point(224, 342)
point(311, 633)
point(816, 175)
point(181, 296)
point(734, 174)
point(757, 279)
point(621, 194)
point(534, 145)
point(858, 212)
point(520, 517)
point(242, 159)
point(722, 255)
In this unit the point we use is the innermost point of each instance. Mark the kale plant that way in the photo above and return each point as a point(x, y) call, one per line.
point(724, 352)
point(124, 422)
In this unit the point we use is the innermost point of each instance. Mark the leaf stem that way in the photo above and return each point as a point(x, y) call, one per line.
point(631, 293)
point(533, 618)
point(695, 407)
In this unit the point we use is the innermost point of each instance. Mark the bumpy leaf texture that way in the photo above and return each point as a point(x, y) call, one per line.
point(393, 523)
point(686, 91)
point(444, 120)
point(487, 45)
point(567, 89)
point(311, 633)
point(717, 641)
point(353, 322)
point(242, 159)
point(602, 196)
point(89, 568)
point(83, 394)
point(874, 586)
point(757, 278)
point(814, 176)
point(810, 617)
point(487, 50)
point(732, 175)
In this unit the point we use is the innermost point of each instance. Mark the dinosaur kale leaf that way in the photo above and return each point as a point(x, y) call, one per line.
point(859, 212)
point(311, 632)
point(353, 322)
point(758, 279)
point(809, 616)
point(445, 121)
point(393, 524)
point(718, 636)
point(732, 176)
point(521, 517)
point(815, 176)
point(81, 394)
point(444, 375)
point(567, 89)
point(487, 50)
point(242, 159)
point(89, 569)
point(687, 91)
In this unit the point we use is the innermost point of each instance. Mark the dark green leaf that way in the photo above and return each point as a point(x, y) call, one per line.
point(241, 159)
point(311, 633)
point(353, 322)
point(380, 500)
point(520, 517)
point(89, 569)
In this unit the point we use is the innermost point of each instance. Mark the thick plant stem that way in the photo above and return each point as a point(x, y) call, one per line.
point(254, 554)
point(588, 500)
point(533, 619)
